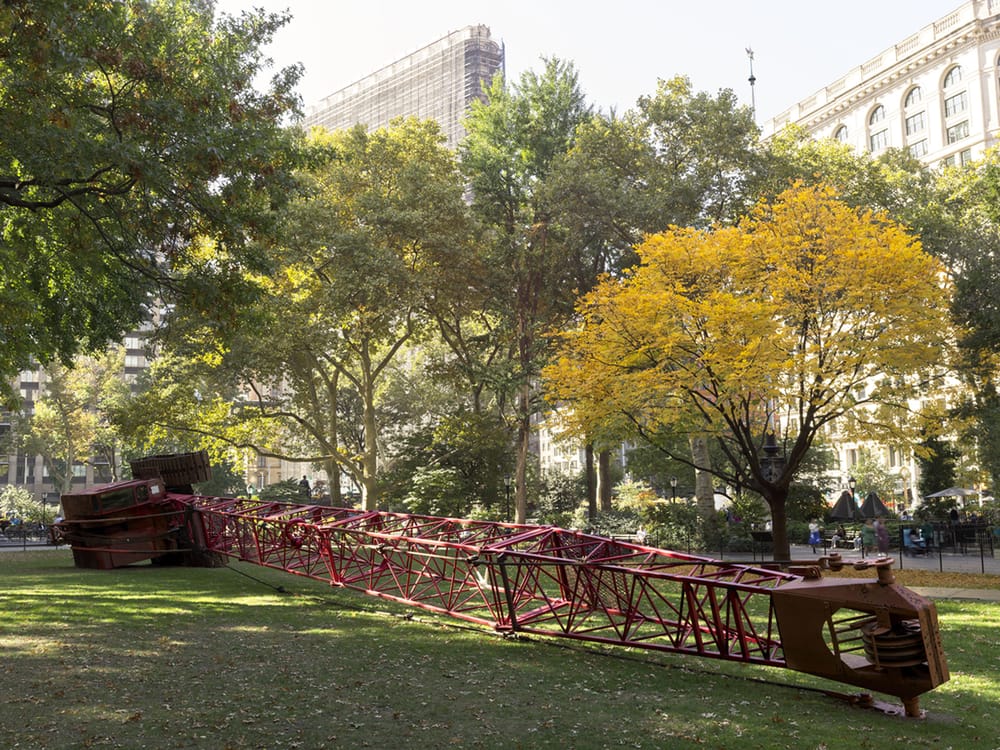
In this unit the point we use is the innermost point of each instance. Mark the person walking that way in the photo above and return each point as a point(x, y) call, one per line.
point(867, 537)
point(881, 537)
point(815, 534)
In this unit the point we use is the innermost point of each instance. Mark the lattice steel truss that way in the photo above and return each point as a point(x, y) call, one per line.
point(867, 632)
point(548, 581)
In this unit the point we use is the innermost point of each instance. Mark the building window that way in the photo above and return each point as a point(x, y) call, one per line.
point(877, 139)
point(918, 149)
point(953, 77)
point(916, 123)
point(841, 134)
point(915, 96)
point(960, 159)
point(958, 131)
point(956, 104)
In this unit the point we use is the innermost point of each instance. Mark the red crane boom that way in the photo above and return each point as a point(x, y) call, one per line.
point(870, 632)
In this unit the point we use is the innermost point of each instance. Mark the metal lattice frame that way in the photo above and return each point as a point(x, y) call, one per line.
point(871, 633)
point(549, 581)
point(530, 579)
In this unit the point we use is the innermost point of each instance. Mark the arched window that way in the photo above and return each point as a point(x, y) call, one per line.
point(841, 134)
point(878, 134)
point(952, 77)
point(955, 102)
point(915, 117)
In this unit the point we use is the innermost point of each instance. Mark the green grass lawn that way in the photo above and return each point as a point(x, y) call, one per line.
point(150, 657)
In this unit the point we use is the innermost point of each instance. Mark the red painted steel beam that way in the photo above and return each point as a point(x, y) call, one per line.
point(868, 632)
point(549, 581)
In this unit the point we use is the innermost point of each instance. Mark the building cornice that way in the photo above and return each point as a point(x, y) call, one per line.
point(972, 24)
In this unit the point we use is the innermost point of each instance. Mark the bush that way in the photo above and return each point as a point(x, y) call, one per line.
point(557, 498)
point(285, 491)
point(615, 522)
point(674, 526)
point(17, 502)
point(436, 492)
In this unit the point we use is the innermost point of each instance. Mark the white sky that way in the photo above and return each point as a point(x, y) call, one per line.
point(620, 48)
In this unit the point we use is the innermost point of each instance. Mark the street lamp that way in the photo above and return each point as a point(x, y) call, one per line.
point(506, 505)
point(852, 483)
point(673, 489)
point(772, 464)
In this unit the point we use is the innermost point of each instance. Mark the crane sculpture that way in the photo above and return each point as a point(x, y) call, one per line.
point(868, 632)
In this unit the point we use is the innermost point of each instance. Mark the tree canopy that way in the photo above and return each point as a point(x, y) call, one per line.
point(806, 312)
point(130, 128)
point(514, 140)
point(297, 374)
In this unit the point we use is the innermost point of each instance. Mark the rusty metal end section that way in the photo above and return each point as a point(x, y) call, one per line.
point(109, 526)
point(871, 632)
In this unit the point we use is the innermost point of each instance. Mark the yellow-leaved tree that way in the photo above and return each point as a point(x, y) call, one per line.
point(808, 311)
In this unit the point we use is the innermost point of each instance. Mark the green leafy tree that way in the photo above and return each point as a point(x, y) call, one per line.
point(937, 464)
point(707, 156)
point(130, 129)
point(954, 214)
point(973, 252)
point(680, 157)
point(225, 482)
point(514, 139)
point(872, 476)
point(298, 373)
point(70, 424)
point(17, 502)
point(468, 453)
point(556, 497)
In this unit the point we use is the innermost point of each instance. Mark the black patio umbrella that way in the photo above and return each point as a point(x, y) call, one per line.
point(845, 509)
point(872, 507)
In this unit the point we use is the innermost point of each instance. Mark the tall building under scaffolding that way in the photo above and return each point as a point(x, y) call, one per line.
point(437, 82)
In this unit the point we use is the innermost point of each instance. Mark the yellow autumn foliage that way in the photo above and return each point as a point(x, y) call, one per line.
point(787, 316)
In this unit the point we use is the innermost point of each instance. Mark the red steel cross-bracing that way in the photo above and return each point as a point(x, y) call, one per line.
point(529, 579)
point(515, 578)
point(549, 581)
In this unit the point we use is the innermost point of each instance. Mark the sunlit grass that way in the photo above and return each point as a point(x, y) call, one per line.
point(206, 658)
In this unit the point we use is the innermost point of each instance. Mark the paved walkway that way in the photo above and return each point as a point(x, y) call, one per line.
point(948, 562)
point(938, 592)
point(943, 561)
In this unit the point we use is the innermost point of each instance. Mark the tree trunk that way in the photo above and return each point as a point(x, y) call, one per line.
point(521, 470)
point(704, 488)
point(604, 480)
point(591, 484)
point(369, 458)
point(523, 440)
point(332, 470)
point(777, 502)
